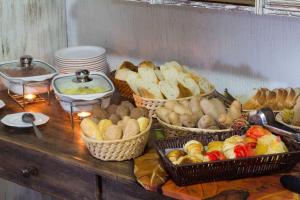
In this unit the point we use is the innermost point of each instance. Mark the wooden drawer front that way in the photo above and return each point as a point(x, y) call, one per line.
point(43, 173)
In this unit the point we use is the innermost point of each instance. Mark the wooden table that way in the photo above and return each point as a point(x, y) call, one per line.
point(59, 164)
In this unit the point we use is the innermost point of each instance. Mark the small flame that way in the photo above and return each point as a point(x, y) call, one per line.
point(82, 115)
point(30, 97)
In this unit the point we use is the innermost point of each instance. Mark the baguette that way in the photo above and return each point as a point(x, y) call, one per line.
point(169, 90)
point(122, 74)
point(290, 99)
point(187, 82)
point(134, 81)
point(150, 90)
point(128, 65)
point(146, 72)
point(170, 72)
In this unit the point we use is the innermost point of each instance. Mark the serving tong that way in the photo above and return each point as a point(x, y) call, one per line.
point(266, 118)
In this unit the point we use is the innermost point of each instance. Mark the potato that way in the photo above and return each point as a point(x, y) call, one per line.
point(136, 113)
point(143, 123)
point(209, 108)
point(205, 122)
point(194, 105)
point(225, 120)
point(123, 122)
point(122, 111)
point(235, 109)
point(185, 103)
point(171, 104)
point(174, 119)
point(111, 109)
point(132, 128)
point(114, 118)
point(180, 109)
point(90, 128)
point(99, 113)
point(188, 120)
point(113, 132)
point(127, 104)
point(102, 126)
point(163, 114)
point(220, 107)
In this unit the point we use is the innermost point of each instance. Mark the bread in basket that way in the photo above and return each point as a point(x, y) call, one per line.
point(152, 86)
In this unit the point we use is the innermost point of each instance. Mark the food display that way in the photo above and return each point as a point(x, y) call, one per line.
point(83, 88)
point(115, 122)
point(199, 112)
point(290, 117)
point(256, 141)
point(277, 99)
point(27, 75)
point(169, 81)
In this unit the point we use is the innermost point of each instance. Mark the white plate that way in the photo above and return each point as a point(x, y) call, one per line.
point(15, 120)
point(81, 63)
point(80, 53)
point(2, 104)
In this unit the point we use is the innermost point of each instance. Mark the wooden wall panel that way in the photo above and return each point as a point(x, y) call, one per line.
point(35, 27)
point(235, 50)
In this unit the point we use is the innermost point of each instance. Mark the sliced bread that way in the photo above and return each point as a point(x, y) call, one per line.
point(146, 71)
point(134, 81)
point(185, 81)
point(169, 90)
point(150, 90)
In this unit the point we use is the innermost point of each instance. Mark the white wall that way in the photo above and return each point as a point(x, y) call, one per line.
point(235, 50)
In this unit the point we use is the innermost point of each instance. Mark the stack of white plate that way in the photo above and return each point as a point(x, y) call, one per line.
point(70, 60)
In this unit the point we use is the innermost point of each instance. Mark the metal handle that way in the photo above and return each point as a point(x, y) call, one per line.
point(26, 60)
point(29, 171)
point(82, 76)
point(37, 132)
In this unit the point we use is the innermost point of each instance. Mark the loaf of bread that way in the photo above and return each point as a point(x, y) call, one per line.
point(277, 99)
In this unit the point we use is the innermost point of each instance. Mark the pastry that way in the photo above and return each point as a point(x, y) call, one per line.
point(174, 155)
point(270, 144)
point(193, 148)
point(213, 156)
point(257, 132)
point(215, 146)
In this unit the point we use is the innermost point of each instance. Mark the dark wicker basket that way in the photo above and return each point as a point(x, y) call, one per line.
point(122, 86)
point(188, 174)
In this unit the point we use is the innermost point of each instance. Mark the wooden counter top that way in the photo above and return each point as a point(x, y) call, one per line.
point(59, 142)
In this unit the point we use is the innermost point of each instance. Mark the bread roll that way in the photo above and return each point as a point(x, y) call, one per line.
point(113, 132)
point(169, 90)
point(132, 128)
point(90, 128)
point(174, 119)
point(163, 114)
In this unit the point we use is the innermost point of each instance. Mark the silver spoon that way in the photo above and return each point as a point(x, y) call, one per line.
point(29, 118)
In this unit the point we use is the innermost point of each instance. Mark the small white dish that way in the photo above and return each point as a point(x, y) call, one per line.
point(2, 104)
point(15, 120)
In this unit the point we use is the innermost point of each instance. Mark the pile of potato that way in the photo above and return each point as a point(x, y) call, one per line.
point(115, 122)
point(199, 112)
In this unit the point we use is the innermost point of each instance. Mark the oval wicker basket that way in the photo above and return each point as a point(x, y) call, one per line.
point(152, 104)
point(176, 131)
point(122, 86)
point(118, 150)
point(279, 119)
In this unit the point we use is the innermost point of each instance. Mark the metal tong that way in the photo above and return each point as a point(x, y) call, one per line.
point(265, 117)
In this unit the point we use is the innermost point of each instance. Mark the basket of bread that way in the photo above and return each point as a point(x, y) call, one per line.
point(290, 117)
point(198, 115)
point(116, 133)
point(203, 158)
point(277, 99)
point(152, 86)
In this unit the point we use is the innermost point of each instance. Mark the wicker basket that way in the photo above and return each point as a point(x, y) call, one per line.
point(279, 119)
point(118, 150)
point(152, 104)
point(122, 86)
point(188, 174)
point(176, 131)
